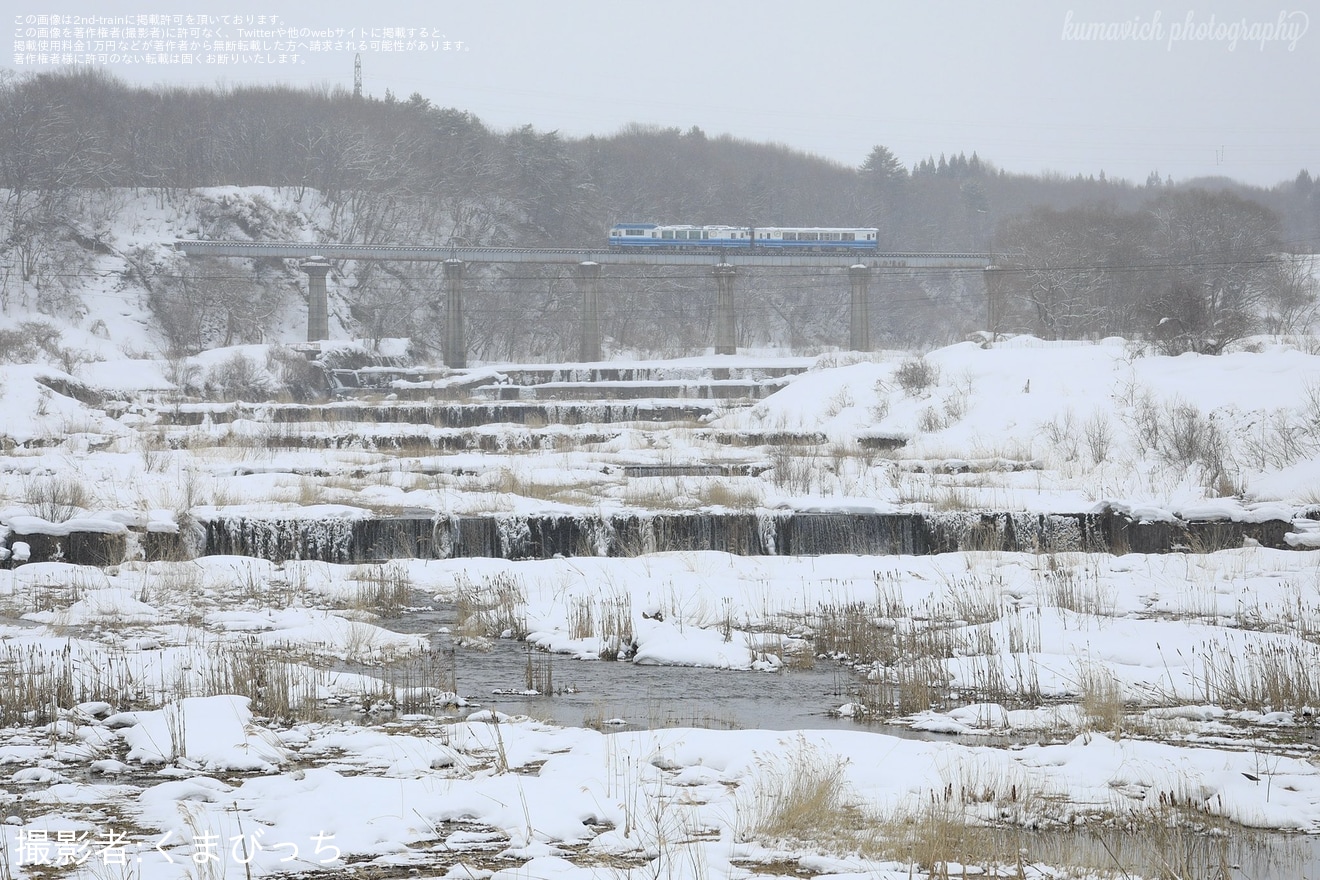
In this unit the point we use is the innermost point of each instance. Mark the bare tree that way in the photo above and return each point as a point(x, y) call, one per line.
point(209, 303)
point(1218, 254)
point(1060, 266)
point(1291, 299)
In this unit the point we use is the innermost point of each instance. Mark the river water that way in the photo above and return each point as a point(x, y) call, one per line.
point(614, 695)
point(591, 693)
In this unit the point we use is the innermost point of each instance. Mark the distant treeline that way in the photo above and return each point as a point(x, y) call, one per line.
point(409, 171)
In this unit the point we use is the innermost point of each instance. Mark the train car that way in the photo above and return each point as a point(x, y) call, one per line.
point(631, 234)
point(652, 236)
point(816, 238)
point(655, 236)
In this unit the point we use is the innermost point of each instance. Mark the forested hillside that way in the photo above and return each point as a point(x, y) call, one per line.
point(1193, 264)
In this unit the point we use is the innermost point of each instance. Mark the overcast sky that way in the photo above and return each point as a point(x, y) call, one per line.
point(1029, 86)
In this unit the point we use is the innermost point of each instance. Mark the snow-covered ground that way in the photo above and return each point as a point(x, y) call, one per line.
point(1137, 692)
point(1017, 426)
point(219, 716)
point(197, 708)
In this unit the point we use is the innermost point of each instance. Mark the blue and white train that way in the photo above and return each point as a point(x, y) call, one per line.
point(654, 236)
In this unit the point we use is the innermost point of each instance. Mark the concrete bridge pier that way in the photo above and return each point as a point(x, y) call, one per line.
point(588, 279)
point(726, 318)
point(859, 318)
point(455, 340)
point(994, 301)
point(318, 303)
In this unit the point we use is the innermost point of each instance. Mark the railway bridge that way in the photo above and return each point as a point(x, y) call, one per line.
point(724, 265)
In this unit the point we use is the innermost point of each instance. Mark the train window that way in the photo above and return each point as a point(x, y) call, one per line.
point(667, 233)
point(807, 236)
point(790, 236)
point(634, 232)
point(705, 236)
point(848, 236)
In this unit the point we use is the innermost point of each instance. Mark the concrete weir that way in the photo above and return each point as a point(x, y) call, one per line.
point(542, 536)
point(446, 415)
point(752, 533)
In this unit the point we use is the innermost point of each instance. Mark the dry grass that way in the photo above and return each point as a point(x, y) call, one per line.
point(1101, 699)
point(800, 799)
point(800, 796)
point(745, 494)
point(906, 650)
point(916, 376)
point(610, 620)
point(691, 493)
point(942, 838)
point(1178, 839)
point(854, 632)
point(50, 592)
point(917, 654)
point(35, 683)
point(55, 498)
point(540, 673)
point(1262, 677)
point(1069, 584)
point(913, 685)
point(948, 497)
point(312, 491)
point(509, 481)
point(581, 617)
point(948, 840)
point(931, 420)
point(382, 589)
point(993, 678)
point(973, 599)
point(171, 583)
point(413, 684)
point(495, 608)
point(796, 471)
point(277, 687)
